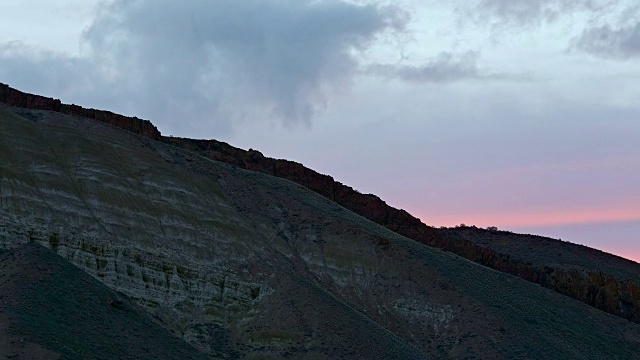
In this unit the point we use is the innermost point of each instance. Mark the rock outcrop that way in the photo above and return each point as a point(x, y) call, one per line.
point(17, 98)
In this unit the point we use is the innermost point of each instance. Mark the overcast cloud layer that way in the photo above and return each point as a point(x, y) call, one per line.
point(521, 114)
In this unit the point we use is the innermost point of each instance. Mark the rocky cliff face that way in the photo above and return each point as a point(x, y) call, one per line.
point(17, 98)
point(607, 289)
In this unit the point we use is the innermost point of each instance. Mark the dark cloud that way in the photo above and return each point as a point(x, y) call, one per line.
point(528, 12)
point(445, 67)
point(219, 61)
point(606, 41)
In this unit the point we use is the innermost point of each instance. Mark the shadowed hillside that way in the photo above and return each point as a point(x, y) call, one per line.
point(50, 309)
point(602, 280)
point(243, 264)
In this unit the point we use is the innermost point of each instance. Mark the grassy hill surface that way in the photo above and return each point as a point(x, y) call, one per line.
point(246, 265)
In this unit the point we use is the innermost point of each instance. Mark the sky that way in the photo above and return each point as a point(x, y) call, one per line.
point(520, 114)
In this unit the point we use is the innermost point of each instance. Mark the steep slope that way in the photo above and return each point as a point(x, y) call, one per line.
point(50, 309)
point(242, 264)
point(602, 280)
point(609, 283)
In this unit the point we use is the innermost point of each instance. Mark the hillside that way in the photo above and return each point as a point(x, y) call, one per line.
point(244, 264)
point(604, 281)
point(50, 309)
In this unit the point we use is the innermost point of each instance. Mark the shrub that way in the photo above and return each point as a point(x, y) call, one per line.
point(54, 241)
point(255, 292)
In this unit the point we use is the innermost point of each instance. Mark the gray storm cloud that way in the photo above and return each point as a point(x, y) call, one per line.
point(218, 61)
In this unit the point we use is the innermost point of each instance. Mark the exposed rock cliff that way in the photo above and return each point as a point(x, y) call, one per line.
point(17, 98)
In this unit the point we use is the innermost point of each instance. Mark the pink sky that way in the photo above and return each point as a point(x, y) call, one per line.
point(614, 231)
point(535, 219)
